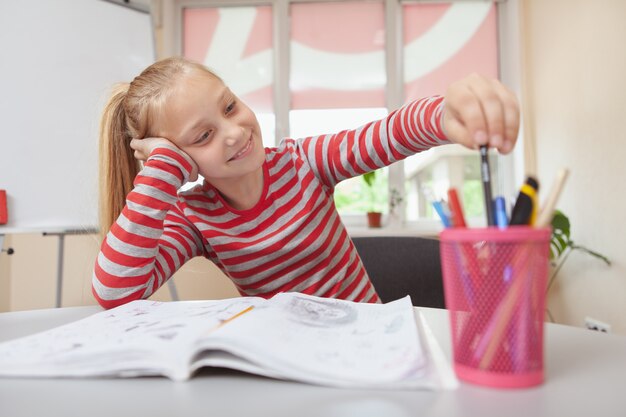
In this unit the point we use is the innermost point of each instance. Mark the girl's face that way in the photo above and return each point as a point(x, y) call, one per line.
point(217, 130)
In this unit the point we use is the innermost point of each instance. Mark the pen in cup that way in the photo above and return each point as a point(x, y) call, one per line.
point(468, 289)
point(502, 220)
point(442, 212)
point(485, 174)
point(525, 208)
point(456, 209)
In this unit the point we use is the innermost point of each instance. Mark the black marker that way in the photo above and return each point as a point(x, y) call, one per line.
point(485, 174)
point(525, 209)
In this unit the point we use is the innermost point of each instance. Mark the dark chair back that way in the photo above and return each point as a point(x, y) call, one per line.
point(399, 265)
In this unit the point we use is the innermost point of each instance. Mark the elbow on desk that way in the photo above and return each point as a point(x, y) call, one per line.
point(112, 296)
point(108, 303)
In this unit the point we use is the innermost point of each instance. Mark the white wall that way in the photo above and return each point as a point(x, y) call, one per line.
point(576, 79)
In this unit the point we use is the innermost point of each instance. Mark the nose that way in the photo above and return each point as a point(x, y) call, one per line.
point(233, 134)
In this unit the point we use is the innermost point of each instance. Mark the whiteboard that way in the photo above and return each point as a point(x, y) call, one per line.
point(58, 62)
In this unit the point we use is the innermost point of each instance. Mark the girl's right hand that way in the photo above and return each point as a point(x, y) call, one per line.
point(144, 147)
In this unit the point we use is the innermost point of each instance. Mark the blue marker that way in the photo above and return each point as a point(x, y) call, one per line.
point(501, 219)
point(441, 211)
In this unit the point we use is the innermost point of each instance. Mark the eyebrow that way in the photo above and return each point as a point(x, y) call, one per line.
point(226, 91)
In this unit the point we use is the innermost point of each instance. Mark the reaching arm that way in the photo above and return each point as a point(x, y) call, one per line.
point(412, 128)
point(477, 112)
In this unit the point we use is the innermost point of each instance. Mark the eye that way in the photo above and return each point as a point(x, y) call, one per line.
point(203, 137)
point(230, 107)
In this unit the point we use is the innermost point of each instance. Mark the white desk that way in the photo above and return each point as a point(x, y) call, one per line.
point(585, 376)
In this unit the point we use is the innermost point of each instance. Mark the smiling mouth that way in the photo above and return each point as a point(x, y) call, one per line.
point(243, 152)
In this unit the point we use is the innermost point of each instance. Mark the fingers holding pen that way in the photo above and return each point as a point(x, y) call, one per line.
point(491, 112)
point(479, 111)
point(511, 111)
point(464, 118)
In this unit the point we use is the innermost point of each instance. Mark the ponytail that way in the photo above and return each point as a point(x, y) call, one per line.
point(118, 166)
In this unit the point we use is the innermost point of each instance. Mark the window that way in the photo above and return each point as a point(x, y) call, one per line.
point(337, 80)
point(313, 67)
point(236, 43)
point(442, 43)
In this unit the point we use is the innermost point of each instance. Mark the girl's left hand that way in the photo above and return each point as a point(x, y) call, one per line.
point(480, 111)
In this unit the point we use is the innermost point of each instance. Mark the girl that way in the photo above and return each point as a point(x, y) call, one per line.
point(265, 217)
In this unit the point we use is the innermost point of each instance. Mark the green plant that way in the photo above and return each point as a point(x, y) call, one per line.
point(369, 178)
point(562, 246)
point(375, 200)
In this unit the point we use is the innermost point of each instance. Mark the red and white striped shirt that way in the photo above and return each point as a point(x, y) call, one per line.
point(291, 240)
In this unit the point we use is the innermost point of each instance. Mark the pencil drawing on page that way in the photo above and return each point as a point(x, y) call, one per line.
point(320, 313)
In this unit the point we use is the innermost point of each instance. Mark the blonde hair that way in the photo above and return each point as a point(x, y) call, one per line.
point(130, 113)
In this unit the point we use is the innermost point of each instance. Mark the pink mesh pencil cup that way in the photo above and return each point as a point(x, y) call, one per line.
point(494, 284)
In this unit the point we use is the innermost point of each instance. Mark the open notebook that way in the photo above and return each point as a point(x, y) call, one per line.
point(290, 336)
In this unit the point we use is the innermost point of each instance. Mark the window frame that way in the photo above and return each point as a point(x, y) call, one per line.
point(511, 167)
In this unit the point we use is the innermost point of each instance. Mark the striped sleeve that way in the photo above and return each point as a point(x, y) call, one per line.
point(151, 238)
point(413, 128)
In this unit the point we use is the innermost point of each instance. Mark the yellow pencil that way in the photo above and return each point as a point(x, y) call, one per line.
point(241, 313)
